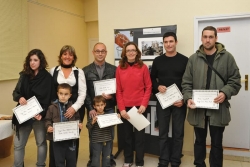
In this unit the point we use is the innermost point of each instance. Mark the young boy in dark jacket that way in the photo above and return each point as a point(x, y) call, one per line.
point(64, 151)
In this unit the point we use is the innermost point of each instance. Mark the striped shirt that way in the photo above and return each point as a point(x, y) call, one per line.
point(99, 134)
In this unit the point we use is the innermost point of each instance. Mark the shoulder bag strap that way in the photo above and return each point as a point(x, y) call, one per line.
point(215, 72)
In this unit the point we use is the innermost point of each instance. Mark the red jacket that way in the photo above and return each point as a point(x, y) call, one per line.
point(133, 86)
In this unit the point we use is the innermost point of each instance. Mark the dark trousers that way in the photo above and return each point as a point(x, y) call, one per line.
point(110, 111)
point(178, 119)
point(51, 155)
point(216, 152)
point(65, 153)
point(129, 132)
point(104, 149)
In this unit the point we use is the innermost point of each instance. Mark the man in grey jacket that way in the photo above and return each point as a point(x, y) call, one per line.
point(198, 75)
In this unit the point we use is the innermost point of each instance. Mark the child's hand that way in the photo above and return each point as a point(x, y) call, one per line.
point(94, 120)
point(118, 115)
point(50, 129)
point(80, 125)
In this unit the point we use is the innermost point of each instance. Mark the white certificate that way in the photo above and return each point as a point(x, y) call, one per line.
point(137, 120)
point(169, 97)
point(65, 130)
point(107, 86)
point(106, 120)
point(205, 98)
point(28, 111)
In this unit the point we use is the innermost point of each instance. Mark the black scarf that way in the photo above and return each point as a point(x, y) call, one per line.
point(42, 87)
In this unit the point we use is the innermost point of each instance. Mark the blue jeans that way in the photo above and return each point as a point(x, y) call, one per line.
point(101, 148)
point(19, 144)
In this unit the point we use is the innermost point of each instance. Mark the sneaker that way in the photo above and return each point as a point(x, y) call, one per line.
point(127, 164)
point(112, 163)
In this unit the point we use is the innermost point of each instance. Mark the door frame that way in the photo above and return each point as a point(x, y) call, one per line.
point(91, 41)
point(197, 38)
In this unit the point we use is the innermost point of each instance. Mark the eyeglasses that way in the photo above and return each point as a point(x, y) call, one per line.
point(100, 51)
point(131, 51)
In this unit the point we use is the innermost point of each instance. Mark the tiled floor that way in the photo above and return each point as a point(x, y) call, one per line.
point(150, 160)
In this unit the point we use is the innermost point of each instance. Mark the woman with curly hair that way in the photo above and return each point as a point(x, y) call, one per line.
point(36, 81)
point(133, 89)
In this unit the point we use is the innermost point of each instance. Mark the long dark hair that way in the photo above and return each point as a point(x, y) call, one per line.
point(26, 66)
point(123, 62)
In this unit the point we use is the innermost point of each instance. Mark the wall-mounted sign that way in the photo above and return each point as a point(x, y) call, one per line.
point(223, 29)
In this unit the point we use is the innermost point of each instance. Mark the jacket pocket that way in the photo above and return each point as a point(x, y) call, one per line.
point(225, 113)
point(192, 117)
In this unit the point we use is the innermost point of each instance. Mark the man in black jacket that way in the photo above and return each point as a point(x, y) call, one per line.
point(99, 70)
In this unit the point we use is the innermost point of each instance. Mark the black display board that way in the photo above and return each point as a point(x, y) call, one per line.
point(145, 38)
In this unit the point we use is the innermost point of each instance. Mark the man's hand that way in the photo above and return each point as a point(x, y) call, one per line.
point(220, 98)
point(124, 114)
point(107, 96)
point(70, 112)
point(191, 104)
point(92, 113)
point(178, 103)
point(162, 88)
point(142, 109)
point(22, 101)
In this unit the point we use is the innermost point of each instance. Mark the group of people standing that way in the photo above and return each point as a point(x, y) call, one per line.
point(72, 90)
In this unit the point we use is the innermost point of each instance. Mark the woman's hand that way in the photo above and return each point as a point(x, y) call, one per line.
point(22, 101)
point(142, 109)
point(124, 114)
point(70, 112)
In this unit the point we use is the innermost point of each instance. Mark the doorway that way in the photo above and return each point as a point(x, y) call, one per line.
point(237, 42)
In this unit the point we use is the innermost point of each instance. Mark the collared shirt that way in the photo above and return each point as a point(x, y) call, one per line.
point(100, 69)
point(71, 80)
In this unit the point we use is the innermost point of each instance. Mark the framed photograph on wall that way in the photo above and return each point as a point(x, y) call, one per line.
point(121, 38)
point(151, 47)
